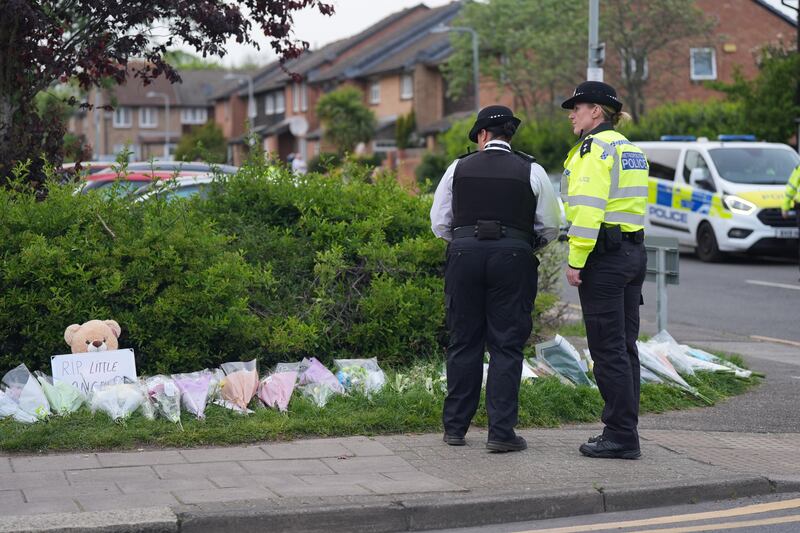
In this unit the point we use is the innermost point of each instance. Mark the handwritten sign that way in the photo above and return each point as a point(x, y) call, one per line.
point(88, 371)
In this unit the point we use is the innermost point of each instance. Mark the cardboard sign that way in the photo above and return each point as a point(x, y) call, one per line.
point(88, 371)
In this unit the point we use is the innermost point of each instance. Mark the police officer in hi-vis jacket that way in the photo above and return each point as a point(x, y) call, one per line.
point(604, 190)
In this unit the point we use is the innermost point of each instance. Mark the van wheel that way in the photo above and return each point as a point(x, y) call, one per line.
point(707, 248)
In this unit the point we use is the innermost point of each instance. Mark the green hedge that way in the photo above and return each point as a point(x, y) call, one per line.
point(269, 265)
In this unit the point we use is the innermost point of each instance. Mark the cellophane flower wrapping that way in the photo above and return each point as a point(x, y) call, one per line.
point(118, 400)
point(9, 407)
point(194, 391)
point(215, 385)
point(148, 408)
point(312, 371)
point(24, 389)
point(64, 398)
point(319, 393)
point(240, 383)
point(360, 375)
point(165, 396)
point(276, 389)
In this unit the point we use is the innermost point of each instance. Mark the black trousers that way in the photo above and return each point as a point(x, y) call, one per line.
point(610, 293)
point(490, 287)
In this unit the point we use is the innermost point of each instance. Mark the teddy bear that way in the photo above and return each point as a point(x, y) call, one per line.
point(93, 336)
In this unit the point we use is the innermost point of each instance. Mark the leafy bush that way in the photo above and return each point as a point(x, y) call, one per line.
point(702, 119)
point(270, 266)
point(430, 170)
point(203, 143)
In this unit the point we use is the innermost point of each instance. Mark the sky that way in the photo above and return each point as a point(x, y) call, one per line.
point(351, 17)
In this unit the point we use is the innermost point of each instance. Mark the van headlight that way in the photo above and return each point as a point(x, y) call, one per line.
point(739, 205)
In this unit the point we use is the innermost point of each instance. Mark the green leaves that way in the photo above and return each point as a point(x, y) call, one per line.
point(346, 118)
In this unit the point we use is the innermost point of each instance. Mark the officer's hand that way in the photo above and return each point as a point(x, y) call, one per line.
point(785, 214)
point(573, 276)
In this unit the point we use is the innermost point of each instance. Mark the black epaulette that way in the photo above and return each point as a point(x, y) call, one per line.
point(468, 152)
point(586, 147)
point(527, 157)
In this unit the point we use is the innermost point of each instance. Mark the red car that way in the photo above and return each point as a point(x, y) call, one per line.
point(129, 182)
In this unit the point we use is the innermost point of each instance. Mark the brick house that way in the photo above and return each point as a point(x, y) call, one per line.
point(141, 122)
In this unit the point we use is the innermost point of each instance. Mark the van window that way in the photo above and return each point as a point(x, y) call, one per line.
point(767, 166)
point(663, 163)
point(694, 160)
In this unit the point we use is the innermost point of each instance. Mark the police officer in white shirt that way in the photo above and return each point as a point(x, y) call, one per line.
point(495, 207)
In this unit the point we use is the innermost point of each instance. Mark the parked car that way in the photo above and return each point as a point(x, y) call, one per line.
point(87, 167)
point(182, 187)
point(127, 182)
point(182, 167)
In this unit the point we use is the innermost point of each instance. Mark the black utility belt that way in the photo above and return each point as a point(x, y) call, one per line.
point(491, 230)
point(633, 236)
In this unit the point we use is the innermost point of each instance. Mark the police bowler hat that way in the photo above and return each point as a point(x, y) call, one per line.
point(594, 92)
point(493, 115)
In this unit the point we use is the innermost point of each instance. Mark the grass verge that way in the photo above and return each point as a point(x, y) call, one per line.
point(543, 403)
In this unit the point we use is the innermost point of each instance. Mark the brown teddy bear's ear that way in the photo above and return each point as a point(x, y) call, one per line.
point(114, 327)
point(70, 332)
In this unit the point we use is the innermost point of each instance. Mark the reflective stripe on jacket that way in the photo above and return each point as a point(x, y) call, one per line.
point(605, 182)
point(792, 195)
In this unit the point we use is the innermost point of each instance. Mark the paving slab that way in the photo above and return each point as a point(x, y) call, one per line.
point(236, 453)
point(54, 462)
point(126, 501)
point(24, 480)
point(223, 495)
point(147, 520)
point(199, 470)
point(101, 475)
point(141, 458)
point(38, 494)
point(308, 449)
point(287, 466)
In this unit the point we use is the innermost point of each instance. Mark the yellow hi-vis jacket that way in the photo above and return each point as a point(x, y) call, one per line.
point(604, 182)
point(792, 195)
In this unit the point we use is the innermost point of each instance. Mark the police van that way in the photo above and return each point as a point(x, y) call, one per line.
point(720, 196)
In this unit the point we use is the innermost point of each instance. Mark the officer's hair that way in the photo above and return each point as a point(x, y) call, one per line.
point(503, 132)
point(613, 116)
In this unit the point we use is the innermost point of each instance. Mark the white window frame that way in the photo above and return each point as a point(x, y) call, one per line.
point(122, 117)
point(634, 67)
point(195, 115)
point(148, 117)
point(296, 97)
point(269, 104)
point(406, 86)
point(375, 92)
point(303, 97)
point(280, 102)
point(692, 74)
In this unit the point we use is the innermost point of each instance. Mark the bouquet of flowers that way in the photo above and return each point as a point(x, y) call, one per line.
point(63, 397)
point(193, 389)
point(117, 400)
point(276, 389)
point(361, 375)
point(24, 389)
point(240, 384)
point(165, 396)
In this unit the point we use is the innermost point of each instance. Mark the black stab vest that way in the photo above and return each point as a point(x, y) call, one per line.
point(493, 185)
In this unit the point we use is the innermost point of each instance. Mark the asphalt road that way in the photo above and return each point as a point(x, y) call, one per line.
point(764, 514)
point(744, 295)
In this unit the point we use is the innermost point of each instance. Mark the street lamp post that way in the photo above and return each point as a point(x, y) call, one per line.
point(442, 28)
point(165, 96)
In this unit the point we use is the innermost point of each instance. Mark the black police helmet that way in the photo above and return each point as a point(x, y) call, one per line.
point(493, 115)
point(594, 92)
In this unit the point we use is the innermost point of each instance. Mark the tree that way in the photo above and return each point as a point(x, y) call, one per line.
point(185, 61)
point(638, 30)
point(531, 48)
point(53, 40)
point(346, 119)
point(203, 143)
point(768, 102)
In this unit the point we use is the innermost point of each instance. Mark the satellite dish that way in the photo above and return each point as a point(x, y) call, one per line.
point(298, 126)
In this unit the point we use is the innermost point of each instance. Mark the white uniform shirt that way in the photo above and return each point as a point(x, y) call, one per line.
point(547, 216)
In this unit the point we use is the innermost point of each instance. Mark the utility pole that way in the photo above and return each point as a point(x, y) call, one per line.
point(597, 50)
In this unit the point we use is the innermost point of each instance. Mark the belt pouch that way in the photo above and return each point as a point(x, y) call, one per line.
point(489, 230)
point(613, 238)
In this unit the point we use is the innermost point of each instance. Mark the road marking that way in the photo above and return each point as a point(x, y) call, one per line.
point(773, 339)
point(726, 525)
point(771, 284)
point(724, 513)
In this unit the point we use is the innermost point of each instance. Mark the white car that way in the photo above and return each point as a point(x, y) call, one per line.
point(177, 188)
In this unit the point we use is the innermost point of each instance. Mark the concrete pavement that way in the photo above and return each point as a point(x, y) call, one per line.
point(413, 482)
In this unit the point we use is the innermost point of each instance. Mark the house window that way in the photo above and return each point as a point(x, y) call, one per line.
point(406, 87)
point(280, 102)
point(296, 97)
point(196, 115)
point(703, 64)
point(122, 117)
point(303, 97)
point(148, 117)
point(375, 92)
point(633, 69)
point(269, 104)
